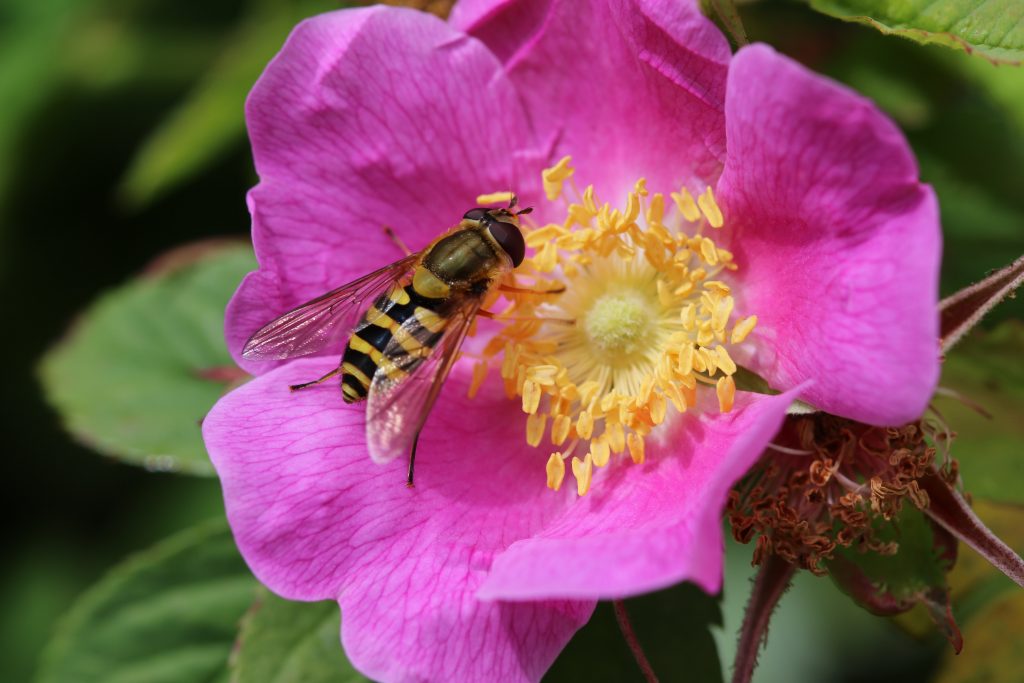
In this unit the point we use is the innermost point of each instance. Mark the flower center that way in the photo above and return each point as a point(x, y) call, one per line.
point(616, 322)
point(637, 317)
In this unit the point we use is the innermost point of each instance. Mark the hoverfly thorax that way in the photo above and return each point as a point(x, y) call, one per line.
point(463, 257)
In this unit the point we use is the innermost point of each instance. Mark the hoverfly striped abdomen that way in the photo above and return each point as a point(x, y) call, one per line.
point(402, 314)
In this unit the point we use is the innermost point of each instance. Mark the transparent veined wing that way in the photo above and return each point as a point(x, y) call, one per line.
point(324, 321)
point(397, 408)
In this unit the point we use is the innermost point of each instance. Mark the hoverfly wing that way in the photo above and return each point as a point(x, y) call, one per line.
point(398, 406)
point(324, 321)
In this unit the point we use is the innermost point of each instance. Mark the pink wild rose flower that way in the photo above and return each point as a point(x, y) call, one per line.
point(732, 211)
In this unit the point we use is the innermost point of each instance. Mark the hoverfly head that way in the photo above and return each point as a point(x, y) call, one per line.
point(504, 228)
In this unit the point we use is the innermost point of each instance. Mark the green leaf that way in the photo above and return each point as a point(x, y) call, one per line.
point(984, 370)
point(748, 380)
point(915, 574)
point(974, 583)
point(167, 615)
point(729, 16)
point(211, 119)
point(291, 642)
point(917, 566)
point(993, 29)
point(673, 628)
point(138, 372)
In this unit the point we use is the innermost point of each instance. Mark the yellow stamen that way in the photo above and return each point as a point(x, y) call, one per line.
point(722, 311)
point(535, 423)
point(560, 429)
point(583, 470)
point(709, 360)
point(554, 178)
point(585, 424)
point(658, 408)
point(709, 207)
point(531, 397)
point(726, 390)
point(687, 206)
point(708, 250)
point(636, 447)
point(725, 362)
point(479, 375)
point(494, 198)
point(600, 452)
point(556, 471)
point(616, 437)
point(742, 328)
point(537, 238)
point(652, 316)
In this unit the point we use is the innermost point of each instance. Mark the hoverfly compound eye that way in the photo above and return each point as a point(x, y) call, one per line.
point(475, 214)
point(510, 239)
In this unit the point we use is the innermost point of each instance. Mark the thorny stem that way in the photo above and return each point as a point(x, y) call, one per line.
point(949, 509)
point(771, 582)
point(960, 312)
point(626, 626)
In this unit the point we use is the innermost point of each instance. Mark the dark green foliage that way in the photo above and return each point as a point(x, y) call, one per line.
point(166, 615)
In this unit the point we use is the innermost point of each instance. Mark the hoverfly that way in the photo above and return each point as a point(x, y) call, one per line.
point(401, 349)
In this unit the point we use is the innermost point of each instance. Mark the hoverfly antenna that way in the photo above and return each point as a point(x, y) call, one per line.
point(523, 212)
point(512, 202)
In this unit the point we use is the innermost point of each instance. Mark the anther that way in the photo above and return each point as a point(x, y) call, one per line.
point(636, 448)
point(742, 328)
point(726, 391)
point(556, 471)
point(495, 198)
point(687, 206)
point(709, 207)
point(554, 178)
point(583, 470)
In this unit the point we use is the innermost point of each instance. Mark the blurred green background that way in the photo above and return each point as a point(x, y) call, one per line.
point(121, 137)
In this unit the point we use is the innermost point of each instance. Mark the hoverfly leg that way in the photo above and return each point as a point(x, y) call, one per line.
point(522, 290)
point(412, 460)
point(498, 316)
point(390, 233)
point(304, 385)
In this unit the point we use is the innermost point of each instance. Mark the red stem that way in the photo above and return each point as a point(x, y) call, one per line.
point(626, 626)
point(772, 581)
point(960, 312)
point(949, 509)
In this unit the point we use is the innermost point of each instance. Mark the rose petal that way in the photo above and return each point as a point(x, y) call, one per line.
point(366, 118)
point(422, 622)
point(641, 528)
point(316, 519)
point(838, 243)
point(629, 88)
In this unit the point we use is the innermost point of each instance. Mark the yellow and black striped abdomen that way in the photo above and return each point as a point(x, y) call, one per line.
point(402, 314)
